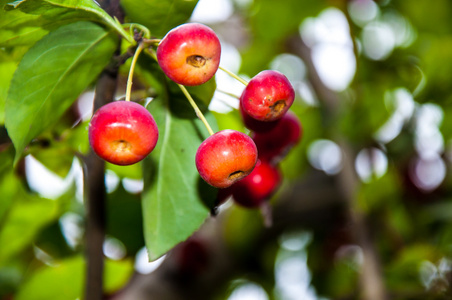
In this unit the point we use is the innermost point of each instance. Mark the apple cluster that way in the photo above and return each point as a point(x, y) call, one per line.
point(244, 166)
point(273, 141)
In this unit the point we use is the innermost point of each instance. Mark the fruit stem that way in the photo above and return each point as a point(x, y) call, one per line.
point(152, 41)
point(145, 30)
point(132, 68)
point(228, 94)
point(198, 112)
point(233, 75)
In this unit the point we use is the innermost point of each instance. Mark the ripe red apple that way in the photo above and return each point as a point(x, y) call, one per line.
point(192, 257)
point(253, 190)
point(256, 125)
point(268, 96)
point(274, 144)
point(226, 157)
point(189, 54)
point(122, 132)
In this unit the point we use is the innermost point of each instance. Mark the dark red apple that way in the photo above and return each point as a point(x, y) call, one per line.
point(253, 190)
point(256, 125)
point(274, 144)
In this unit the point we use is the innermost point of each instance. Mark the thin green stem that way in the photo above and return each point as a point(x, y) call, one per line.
point(132, 68)
point(152, 41)
point(151, 53)
point(229, 94)
point(198, 112)
point(234, 75)
point(116, 24)
point(144, 29)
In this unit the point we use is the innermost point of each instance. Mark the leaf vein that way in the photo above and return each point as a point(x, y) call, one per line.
point(70, 67)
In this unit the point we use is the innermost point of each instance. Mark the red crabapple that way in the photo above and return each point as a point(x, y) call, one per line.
point(192, 257)
point(256, 125)
point(189, 54)
point(226, 157)
point(268, 96)
point(122, 132)
point(258, 186)
point(274, 144)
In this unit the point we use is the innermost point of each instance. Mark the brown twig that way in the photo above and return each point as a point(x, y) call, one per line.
point(94, 170)
point(372, 284)
point(94, 182)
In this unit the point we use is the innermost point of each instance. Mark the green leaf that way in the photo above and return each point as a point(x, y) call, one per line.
point(231, 120)
point(50, 77)
point(204, 92)
point(402, 274)
point(67, 280)
point(69, 9)
point(10, 278)
point(379, 191)
point(58, 158)
point(8, 186)
point(6, 157)
point(23, 221)
point(7, 68)
point(53, 242)
point(19, 29)
point(117, 274)
point(159, 15)
point(174, 194)
point(124, 220)
point(132, 171)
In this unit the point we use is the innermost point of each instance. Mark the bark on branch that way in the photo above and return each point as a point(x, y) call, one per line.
point(94, 174)
point(372, 284)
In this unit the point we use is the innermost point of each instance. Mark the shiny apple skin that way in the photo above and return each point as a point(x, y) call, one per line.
point(268, 96)
point(258, 186)
point(225, 158)
point(256, 125)
point(185, 41)
point(122, 132)
point(273, 145)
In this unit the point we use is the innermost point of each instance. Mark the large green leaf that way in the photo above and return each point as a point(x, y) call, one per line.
point(23, 221)
point(66, 280)
point(51, 75)
point(159, 15)
point(8, 185)
point(69, 9)
point(175, 198)
point(7, 68)
point(18, 28)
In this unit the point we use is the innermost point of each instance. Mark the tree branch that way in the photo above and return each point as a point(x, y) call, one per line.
point(94, 182)
point(372, 284)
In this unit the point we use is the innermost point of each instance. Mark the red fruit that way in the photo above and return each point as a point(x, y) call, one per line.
point(189, 54)
point(274, 144)
point(226, 157)
point(192, 257)
point(122, 132)
point(268, 96)
point(258, 186)
point(256, 125)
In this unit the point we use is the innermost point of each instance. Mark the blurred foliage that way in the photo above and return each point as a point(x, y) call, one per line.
point(410, 225)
